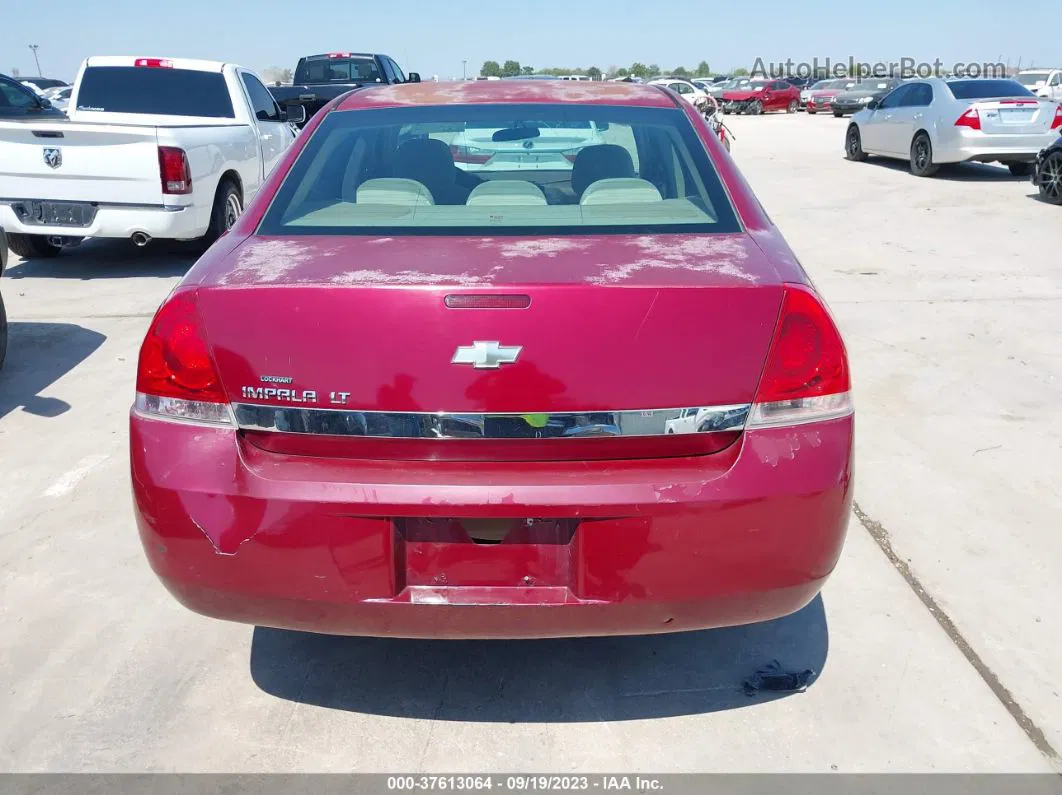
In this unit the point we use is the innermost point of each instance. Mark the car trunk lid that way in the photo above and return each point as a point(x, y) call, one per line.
point(658, 326)
point(1017, 116)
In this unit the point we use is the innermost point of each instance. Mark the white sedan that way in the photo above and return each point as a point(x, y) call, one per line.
point(934, 121)
point(684, 88)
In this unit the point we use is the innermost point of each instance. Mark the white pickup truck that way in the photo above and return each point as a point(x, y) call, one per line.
point(152, 148)
point(1046, 83)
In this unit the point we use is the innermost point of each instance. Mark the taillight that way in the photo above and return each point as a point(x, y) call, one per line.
point(175, 171)
point(970, 119)
point(806, 377)
point(176, 376)
point(1057, 123)
point(470, 154)
point(153, 63)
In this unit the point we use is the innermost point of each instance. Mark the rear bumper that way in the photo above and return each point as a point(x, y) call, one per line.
point(181, 223)
point(238, 533)
point(959, 147)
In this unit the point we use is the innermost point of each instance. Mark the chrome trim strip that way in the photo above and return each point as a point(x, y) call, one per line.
point(452, 425)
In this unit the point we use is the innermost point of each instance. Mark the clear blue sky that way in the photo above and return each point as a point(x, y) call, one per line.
point(434, 37)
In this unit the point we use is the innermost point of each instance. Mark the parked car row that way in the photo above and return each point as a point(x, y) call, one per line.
point(934, 121)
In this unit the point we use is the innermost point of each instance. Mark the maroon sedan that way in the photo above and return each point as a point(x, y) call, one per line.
point(762, 96)
point(577, 384)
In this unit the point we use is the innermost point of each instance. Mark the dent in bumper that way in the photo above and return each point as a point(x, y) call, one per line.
point(746, 535)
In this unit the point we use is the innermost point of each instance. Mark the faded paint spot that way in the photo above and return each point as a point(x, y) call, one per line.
point(700, 254)
point(404, 278)
point(269, 261)
point(772, 449)
point(538, 247)
point(503, 91)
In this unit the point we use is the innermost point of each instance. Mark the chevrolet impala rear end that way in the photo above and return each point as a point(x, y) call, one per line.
point(588, 395)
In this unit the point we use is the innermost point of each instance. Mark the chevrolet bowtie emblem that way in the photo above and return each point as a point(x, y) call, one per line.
point(486, 355)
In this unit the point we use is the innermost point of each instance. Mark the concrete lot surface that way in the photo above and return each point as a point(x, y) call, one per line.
point(949, 293)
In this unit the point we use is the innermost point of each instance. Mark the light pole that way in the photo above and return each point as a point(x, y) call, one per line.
point(36, 47)
point(464, 71)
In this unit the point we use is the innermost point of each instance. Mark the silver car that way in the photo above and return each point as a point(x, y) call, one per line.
point(934, 121)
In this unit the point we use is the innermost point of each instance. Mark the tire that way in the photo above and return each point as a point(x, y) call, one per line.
point(922, 164)
point(812, 112)
point(3, 332)
point(754, 108)
point(837, 114)
point(794, 106)
point(1049, 179)
point(228, 207)
point(32, 246)
point(1020, 169)
point(853, 145)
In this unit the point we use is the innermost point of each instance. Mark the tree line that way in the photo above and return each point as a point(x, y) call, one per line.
point(637, 69)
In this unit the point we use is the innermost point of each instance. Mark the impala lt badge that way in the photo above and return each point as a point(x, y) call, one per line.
point(53, 157)
point(486, 355)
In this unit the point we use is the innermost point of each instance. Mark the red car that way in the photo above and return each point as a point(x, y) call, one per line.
point(761, 96)
point(821, 96)
point(560, 393)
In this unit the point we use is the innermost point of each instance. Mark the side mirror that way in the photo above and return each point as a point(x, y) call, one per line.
point(296, 114)
point(873, 104)
point(414, 77)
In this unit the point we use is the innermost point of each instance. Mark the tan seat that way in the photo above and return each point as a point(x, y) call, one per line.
point(508, 192)
point(391, 190)
point(625, 190)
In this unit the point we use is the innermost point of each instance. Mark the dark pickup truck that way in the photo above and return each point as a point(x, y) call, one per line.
point(321, 78)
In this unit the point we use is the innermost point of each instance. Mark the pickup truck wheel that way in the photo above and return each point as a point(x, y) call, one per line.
point(3, 332)
point(32, 246)
point(228, 207)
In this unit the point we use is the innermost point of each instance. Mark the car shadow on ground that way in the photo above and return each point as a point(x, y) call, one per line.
point(111, 259)
point(957, 172)
point(539, 681)
point(38, 355)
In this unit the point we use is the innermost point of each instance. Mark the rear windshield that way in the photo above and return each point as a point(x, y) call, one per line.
point(502, 169)
point(159, 91)
point(1032, 78)
point(987, 89)
point(340, 70)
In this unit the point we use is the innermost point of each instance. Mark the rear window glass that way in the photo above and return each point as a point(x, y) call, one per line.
point(342, 70)
point(161, 91)
point(987, 89)
point(502, 169)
